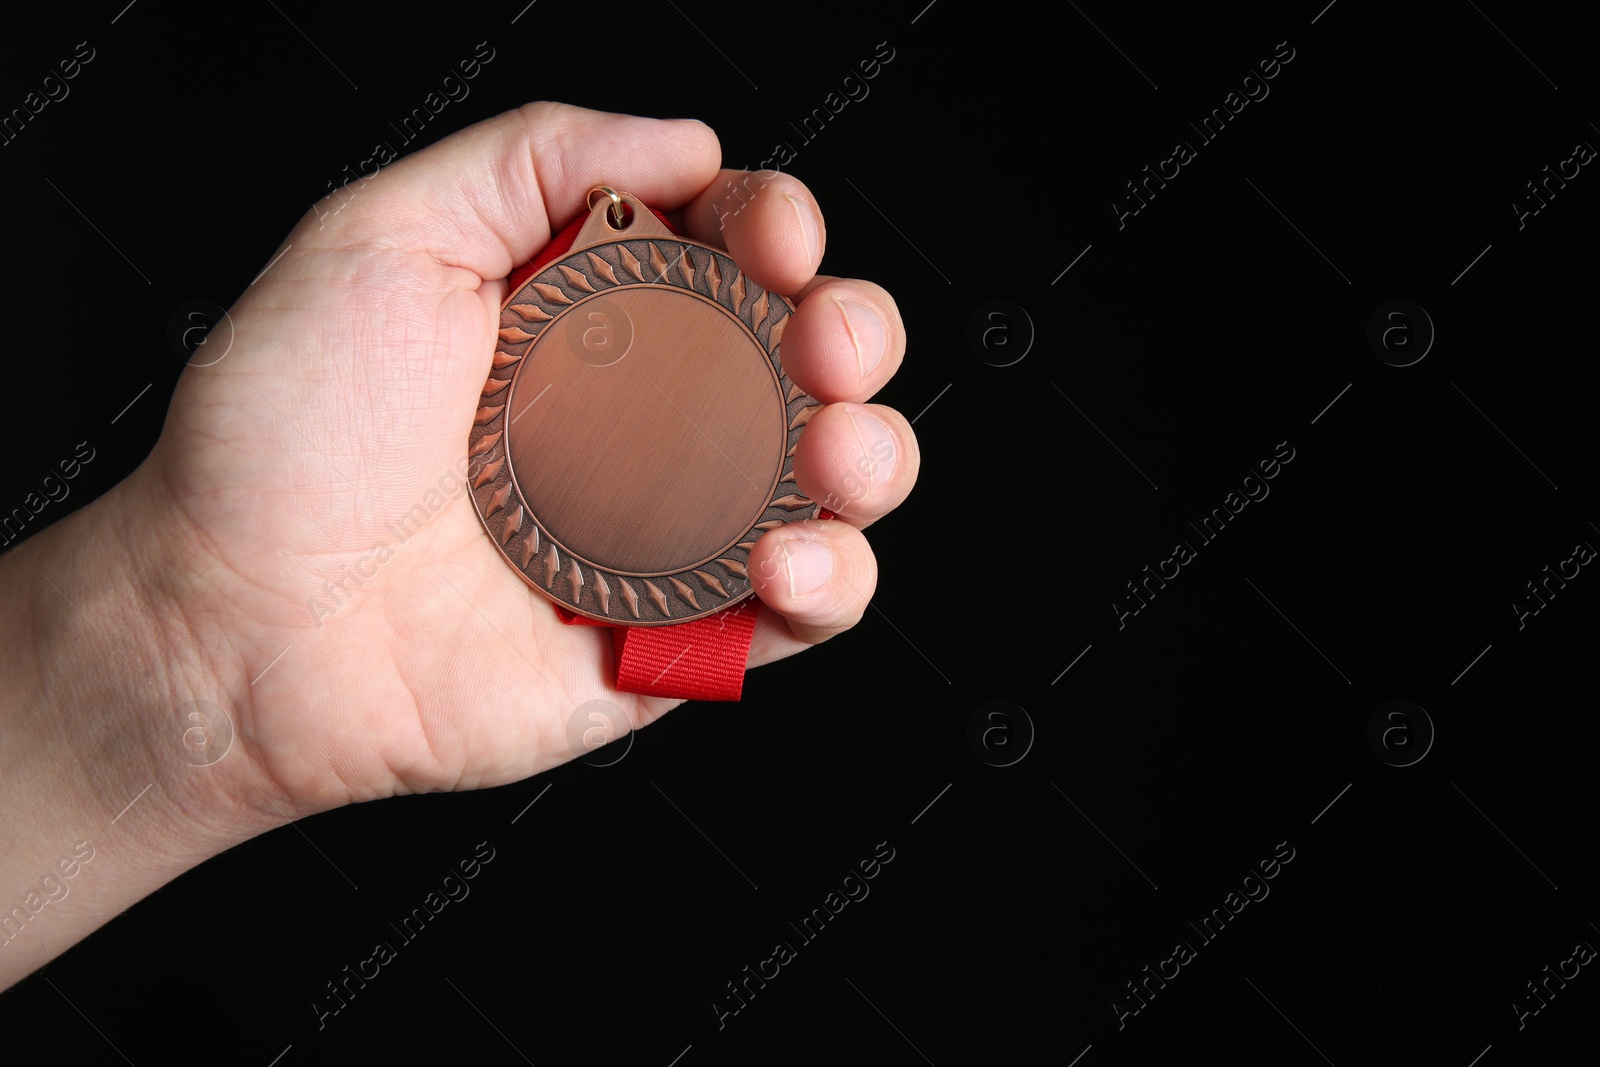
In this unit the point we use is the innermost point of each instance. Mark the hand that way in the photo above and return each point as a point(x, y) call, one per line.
point(261, 568)
point(345, 401)
point(356, 663)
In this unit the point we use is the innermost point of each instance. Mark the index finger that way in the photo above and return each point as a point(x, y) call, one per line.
point(769, 223)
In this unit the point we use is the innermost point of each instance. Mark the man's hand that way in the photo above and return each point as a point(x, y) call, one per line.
point(257, 562)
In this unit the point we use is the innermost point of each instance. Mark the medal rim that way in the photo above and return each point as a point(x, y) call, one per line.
point(666, 597)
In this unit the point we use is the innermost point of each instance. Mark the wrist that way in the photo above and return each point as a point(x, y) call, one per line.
point(96, 682)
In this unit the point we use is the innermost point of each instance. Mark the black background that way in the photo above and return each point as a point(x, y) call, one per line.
point(1176, 752)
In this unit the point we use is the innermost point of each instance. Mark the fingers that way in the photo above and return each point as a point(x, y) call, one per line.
point(846, 338)
point(489, 197)
point(769, 223)
point(818, 575)
point(844, 341)
point(858, 460)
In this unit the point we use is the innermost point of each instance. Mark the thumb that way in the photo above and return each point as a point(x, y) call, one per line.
point(488, 197)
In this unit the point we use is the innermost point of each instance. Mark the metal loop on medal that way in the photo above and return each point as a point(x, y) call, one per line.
point(617, 219)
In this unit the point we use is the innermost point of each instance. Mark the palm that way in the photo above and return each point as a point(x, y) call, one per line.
point(380, 644)
point(324, 475)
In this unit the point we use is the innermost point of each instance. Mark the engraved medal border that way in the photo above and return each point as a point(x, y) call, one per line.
point(618, 264)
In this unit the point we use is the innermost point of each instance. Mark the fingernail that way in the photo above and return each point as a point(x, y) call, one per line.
point(808, 226)
point(866, 333)
point(809, 563)
point(877, 447)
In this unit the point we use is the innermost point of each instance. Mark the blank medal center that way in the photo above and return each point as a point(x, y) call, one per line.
point(661, 460)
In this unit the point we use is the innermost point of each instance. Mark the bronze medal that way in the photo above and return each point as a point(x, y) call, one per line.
point(637, 431)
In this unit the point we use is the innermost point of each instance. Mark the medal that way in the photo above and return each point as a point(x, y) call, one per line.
point(636, 433)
